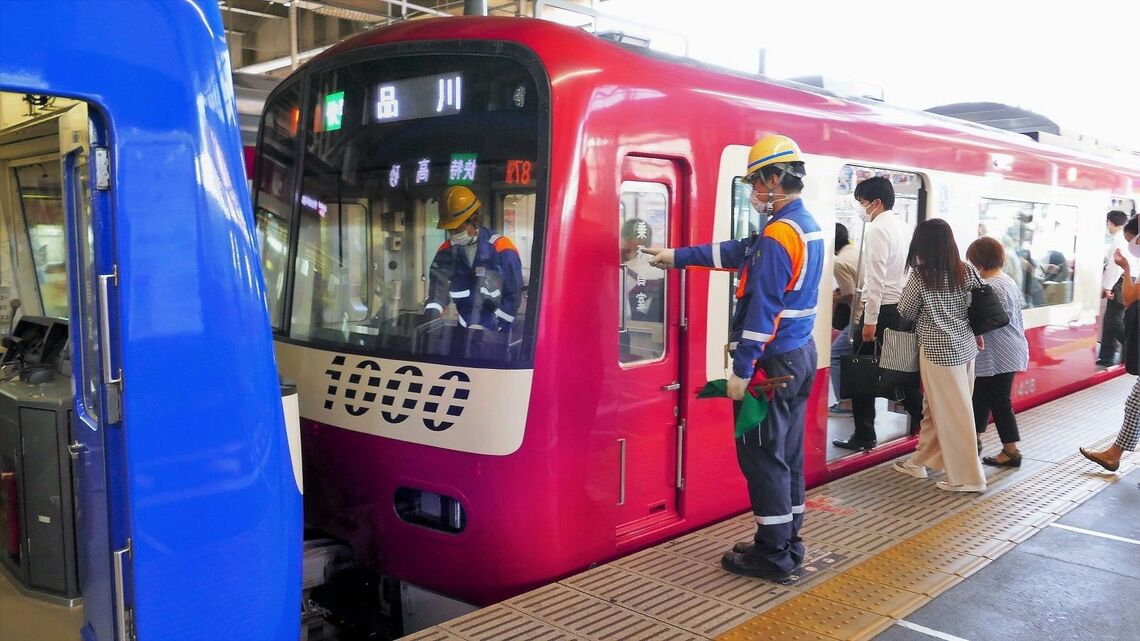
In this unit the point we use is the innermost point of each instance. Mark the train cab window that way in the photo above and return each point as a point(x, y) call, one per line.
point(274, 194)
point(41, 201)
point(383, 143)
point(643, 219)
point(1040, 247)
point(746, 221)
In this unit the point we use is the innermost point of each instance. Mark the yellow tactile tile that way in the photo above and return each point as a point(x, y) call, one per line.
point(830, 618)
point(869, 595)
point(961, 540)
point(905, 576)
point(763, 628)
point(932, 558)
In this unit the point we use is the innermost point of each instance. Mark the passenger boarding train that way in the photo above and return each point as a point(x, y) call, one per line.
point(478, 464)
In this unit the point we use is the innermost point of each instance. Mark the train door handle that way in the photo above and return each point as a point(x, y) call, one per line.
point(75, 449)
point(672, 387)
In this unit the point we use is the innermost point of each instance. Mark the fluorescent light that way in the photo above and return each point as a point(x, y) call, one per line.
point(247, 12)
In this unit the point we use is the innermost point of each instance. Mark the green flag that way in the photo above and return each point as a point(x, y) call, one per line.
point(752, 412)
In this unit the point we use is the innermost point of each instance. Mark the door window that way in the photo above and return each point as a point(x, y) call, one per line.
point(42, 206)
point(643, 221)
point(1040, 247)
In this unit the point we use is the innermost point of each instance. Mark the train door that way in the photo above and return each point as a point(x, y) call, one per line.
point(650, 423)
point(891, 420)
point(103, 554)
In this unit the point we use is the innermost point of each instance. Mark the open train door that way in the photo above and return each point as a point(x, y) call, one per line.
point(188, 507)
point(650, 443)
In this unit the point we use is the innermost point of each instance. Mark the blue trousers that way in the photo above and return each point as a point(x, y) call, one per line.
point(772, 460)
point(840, 347)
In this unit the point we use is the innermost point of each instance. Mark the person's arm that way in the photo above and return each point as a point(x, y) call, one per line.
point(510, 266)
point(1130, 289)
point(438, 278)
point(728, 254)
point(911, 302)
point(1112, 270)
point(875, 267)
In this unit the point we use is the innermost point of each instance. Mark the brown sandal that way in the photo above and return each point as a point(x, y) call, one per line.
point(1111, 467)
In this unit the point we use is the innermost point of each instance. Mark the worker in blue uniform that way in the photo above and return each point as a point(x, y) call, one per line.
point(477, 270)
point(779, 272)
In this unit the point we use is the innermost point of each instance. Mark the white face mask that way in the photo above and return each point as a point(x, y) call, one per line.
point(461, 238)
point(865, 215)
point(1134, 248)
point(758, 205)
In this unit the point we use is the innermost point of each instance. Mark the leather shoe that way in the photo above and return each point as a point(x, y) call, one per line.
point(857, 444)
point(1011, 460)
point(1090, 455)
point(744, 547)
point(747, 565)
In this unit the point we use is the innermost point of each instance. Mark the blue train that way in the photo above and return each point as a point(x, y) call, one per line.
point(124, 132)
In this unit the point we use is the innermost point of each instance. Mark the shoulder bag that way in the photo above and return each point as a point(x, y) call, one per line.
point(985, 312)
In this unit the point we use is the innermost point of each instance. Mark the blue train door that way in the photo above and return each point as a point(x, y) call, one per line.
point(103, 553)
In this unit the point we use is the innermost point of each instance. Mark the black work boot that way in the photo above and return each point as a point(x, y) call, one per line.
point(750, 565)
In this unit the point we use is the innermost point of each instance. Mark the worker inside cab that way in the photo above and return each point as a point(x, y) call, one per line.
point(476, 270)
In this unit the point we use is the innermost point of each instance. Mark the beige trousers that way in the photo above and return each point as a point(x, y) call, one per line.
point(946, 438)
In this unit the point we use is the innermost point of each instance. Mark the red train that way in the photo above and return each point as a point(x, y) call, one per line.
point(479, 464)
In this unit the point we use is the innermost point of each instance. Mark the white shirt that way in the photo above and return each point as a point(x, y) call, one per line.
point(1112, 271)
point(885, 244)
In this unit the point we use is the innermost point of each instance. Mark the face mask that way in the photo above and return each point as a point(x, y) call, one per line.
point(461, 238)
point(758, 205)
point(1133, 248)
point(865, 215)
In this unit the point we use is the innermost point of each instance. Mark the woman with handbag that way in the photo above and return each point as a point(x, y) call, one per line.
point(937, 297)
point(1129, 436)
point(1006, 354)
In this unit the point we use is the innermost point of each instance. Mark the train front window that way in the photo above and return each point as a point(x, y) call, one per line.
point(418, 210)
point(41, 200)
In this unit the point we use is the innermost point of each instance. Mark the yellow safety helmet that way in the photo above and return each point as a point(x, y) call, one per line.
point(459, 204)
point(770, 150)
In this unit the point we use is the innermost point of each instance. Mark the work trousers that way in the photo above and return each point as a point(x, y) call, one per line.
point(946, 438)
point(992, 396)
point(772, 460)
point(863, 407)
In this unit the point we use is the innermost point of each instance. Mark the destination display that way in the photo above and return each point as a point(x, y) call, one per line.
point(423, 97)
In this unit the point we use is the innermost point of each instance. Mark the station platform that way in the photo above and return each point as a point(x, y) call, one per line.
point(1047, 552)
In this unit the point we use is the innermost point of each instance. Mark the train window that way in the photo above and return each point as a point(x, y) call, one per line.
point(746, 221)
point(382, 142)
point(1040, 247)
point(643, 219)
point(908, 188)
point(41, 201)
point(276, 164)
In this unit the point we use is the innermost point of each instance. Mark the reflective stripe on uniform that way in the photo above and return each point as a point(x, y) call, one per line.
point(505, 316)
point(798, 509)
point(461, 294)
point(462, 322)
point(755, 336)
point(774, 520)
point(494, 294)
point(435, 306)
point(716, 255)
point(799, 313)
point(805, 238)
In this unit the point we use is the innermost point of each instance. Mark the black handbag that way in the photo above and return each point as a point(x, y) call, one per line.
point(985, 312)
point(859, 372)
point(841, 317)
point(1131, 339)
point(860, 375)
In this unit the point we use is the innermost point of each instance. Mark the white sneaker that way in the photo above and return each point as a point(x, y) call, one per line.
point(910, 469)
point(945, 485)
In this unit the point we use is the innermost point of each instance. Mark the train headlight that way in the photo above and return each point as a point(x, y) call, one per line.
point(432, 510)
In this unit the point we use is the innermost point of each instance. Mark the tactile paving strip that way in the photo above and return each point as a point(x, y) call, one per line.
point(829, 618)
point(879, 545)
